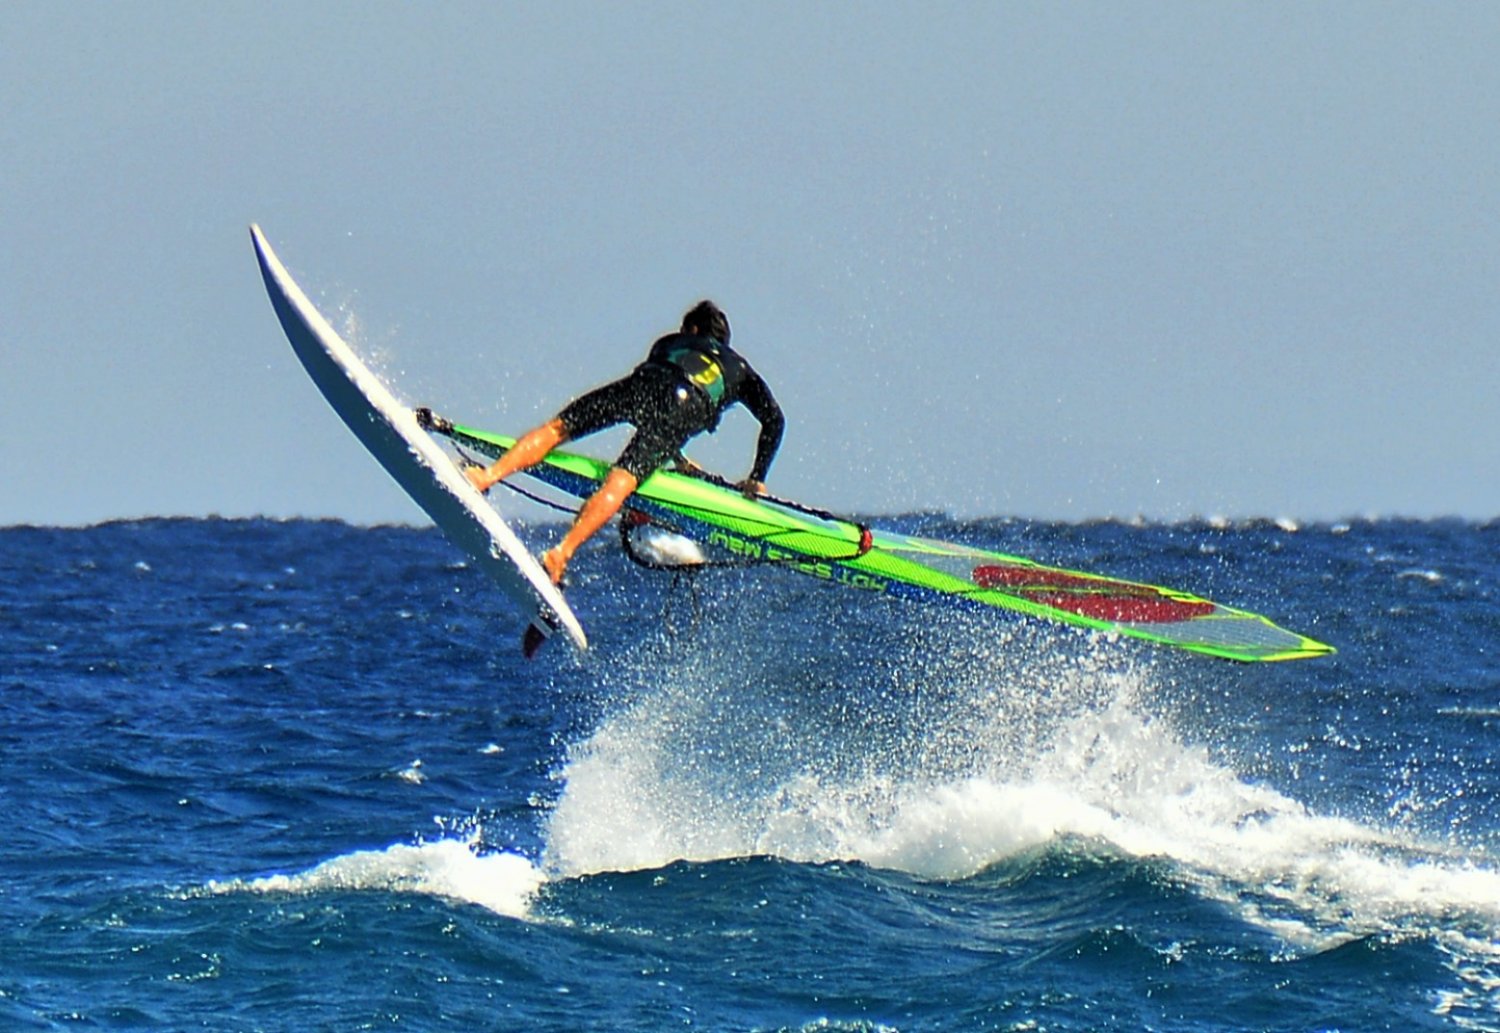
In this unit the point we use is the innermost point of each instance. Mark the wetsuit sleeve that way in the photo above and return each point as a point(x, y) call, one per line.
point(757, 397)
point(659, 349)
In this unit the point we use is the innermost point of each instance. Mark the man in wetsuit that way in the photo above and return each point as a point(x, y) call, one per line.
point(682, 388)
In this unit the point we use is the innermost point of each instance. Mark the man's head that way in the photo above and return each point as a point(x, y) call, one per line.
point(707, 320)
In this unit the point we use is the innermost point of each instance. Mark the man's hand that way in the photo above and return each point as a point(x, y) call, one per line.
point(750, 488)
point(685, 465)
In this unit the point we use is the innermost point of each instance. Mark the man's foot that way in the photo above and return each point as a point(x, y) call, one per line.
point(555, 566)
point(479, 476)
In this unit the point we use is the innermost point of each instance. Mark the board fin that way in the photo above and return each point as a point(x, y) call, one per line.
point(538, 632)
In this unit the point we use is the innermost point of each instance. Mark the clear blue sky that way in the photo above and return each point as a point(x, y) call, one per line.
point(1051, 260)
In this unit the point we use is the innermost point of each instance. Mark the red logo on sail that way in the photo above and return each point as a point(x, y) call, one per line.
point(1099, 598)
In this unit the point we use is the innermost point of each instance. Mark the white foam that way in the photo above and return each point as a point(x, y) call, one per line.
point(449, 868)
point(652, 786)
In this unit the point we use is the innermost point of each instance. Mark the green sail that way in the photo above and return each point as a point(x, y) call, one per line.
point(847, 553)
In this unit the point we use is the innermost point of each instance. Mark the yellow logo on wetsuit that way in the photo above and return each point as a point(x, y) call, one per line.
point(701, 369)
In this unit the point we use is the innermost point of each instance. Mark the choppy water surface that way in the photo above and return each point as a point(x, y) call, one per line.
point(288, 776)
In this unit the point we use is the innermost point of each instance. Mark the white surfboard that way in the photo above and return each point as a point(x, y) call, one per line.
point(410, 455)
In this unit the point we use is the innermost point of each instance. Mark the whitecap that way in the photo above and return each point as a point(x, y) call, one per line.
point(1419, 574)
point(504, 883)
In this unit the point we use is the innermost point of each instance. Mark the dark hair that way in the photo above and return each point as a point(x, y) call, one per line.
point(707, 319)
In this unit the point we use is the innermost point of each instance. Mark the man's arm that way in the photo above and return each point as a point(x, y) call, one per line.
point(757, 397)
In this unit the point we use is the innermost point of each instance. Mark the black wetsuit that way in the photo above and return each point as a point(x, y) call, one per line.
point(680, 391)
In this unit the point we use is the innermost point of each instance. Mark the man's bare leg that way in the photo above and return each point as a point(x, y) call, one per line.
point(602, 505)
point(530, 449)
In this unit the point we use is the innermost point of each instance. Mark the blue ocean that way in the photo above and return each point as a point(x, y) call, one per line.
point(295, 775)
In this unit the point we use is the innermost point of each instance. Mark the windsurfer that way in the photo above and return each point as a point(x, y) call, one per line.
point(681, 390)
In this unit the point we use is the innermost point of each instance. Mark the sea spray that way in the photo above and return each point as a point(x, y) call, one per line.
point(738, 747)
point(957, 761)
